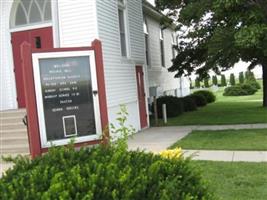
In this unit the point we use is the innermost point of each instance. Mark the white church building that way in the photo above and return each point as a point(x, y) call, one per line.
point(136, 51)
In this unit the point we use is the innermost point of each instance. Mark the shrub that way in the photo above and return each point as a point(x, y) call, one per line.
point(189, 103)
point(206, 83)
point(214, 80)
point(103, 173)
point(209, 96)
point(241, 77)
point(255, 84)
point(199, 99)
point(232, 79)
point(197, 83)
point(223, 81)
point(240, 90)
point(174, 106)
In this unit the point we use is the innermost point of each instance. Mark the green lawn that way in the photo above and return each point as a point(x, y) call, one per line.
point(225, 140)
point(235, 181)
point(226, 110)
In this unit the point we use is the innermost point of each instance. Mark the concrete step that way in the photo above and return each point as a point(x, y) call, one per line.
point(13, 132)
point(12, 126)
point(13, 140)
point(19, 113)
point(15, 149)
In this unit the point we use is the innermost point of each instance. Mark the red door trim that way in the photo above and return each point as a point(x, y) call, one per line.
point(31, 105)
point(141, 96)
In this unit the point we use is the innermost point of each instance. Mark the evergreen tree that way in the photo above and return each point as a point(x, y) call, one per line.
point(223, 81)
point(241, 77)
point(206, 82)
point(197, 83)
point(219, 34)
point(232, 79)
point(214, 80)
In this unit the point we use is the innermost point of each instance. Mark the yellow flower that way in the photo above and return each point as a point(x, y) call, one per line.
point(172, 154)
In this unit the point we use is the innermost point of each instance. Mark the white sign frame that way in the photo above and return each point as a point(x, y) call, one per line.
point(39, 96)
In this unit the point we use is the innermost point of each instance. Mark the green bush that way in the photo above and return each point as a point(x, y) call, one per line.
point(174, 106)
point(102, 173)
point(241, 77)
point(255, 84)
point(197, 83)
point(189, 103)
point(199, 99)
point(214, 80)
point(232, 79)
point(223, 81)
point(240, 90)
point(209, 96)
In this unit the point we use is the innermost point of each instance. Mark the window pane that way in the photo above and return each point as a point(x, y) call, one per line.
point(20, 16)
point(162, 53)
point(41, 4)
point(122, 33)
point(147, 50)
point(121, 21)
point(47, 14)
point(35, 15)
point(123, 44)
point(26, 4)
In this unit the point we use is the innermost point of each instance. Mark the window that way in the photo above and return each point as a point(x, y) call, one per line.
point(122, 27)
point(162, 48)
point(146, 43)
point(173, 49)
point(29, 12)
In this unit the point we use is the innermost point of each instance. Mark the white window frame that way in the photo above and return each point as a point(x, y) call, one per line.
point(122, 6)
point(39, 97)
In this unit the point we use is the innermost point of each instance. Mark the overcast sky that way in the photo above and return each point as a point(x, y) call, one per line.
point(151, 1)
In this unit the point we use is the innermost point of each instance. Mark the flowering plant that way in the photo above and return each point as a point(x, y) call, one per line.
point(172, 153)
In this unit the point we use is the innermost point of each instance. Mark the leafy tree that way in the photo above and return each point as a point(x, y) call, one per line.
point(241, 77)
point(232, 79)
point(223, 80)
point(216, 34)
point(214, 80)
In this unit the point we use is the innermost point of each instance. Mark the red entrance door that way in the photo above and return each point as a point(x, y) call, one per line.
point(39, 39)
point(141, 96)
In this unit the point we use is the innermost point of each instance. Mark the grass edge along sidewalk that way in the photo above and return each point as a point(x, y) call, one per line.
point(243, 139)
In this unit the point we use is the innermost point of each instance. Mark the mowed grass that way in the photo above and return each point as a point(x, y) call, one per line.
point(235, 180)
point(255, 139)
point(226, 110)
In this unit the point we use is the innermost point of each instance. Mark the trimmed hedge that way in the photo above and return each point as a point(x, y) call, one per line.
point(240, 90)
point(199, 99)
point(209, 96)
point(174, 106)
point(189, 103)
point(103, 173)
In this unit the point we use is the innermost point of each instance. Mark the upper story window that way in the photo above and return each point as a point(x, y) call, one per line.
point(122, 26)
point(146, 43)
point(28, 12)
point(161, 39)
point(173, 43)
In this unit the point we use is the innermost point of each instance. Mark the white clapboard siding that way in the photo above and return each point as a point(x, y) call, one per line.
point(7, 77)
point(158, 75)
point(137, 42)
point(120, 75)
point(77, 22)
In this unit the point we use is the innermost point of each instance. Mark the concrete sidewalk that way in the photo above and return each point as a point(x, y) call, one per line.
point(157, 139)
point(229, 156)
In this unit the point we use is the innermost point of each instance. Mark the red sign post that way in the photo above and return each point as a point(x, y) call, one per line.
point(32, 96)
